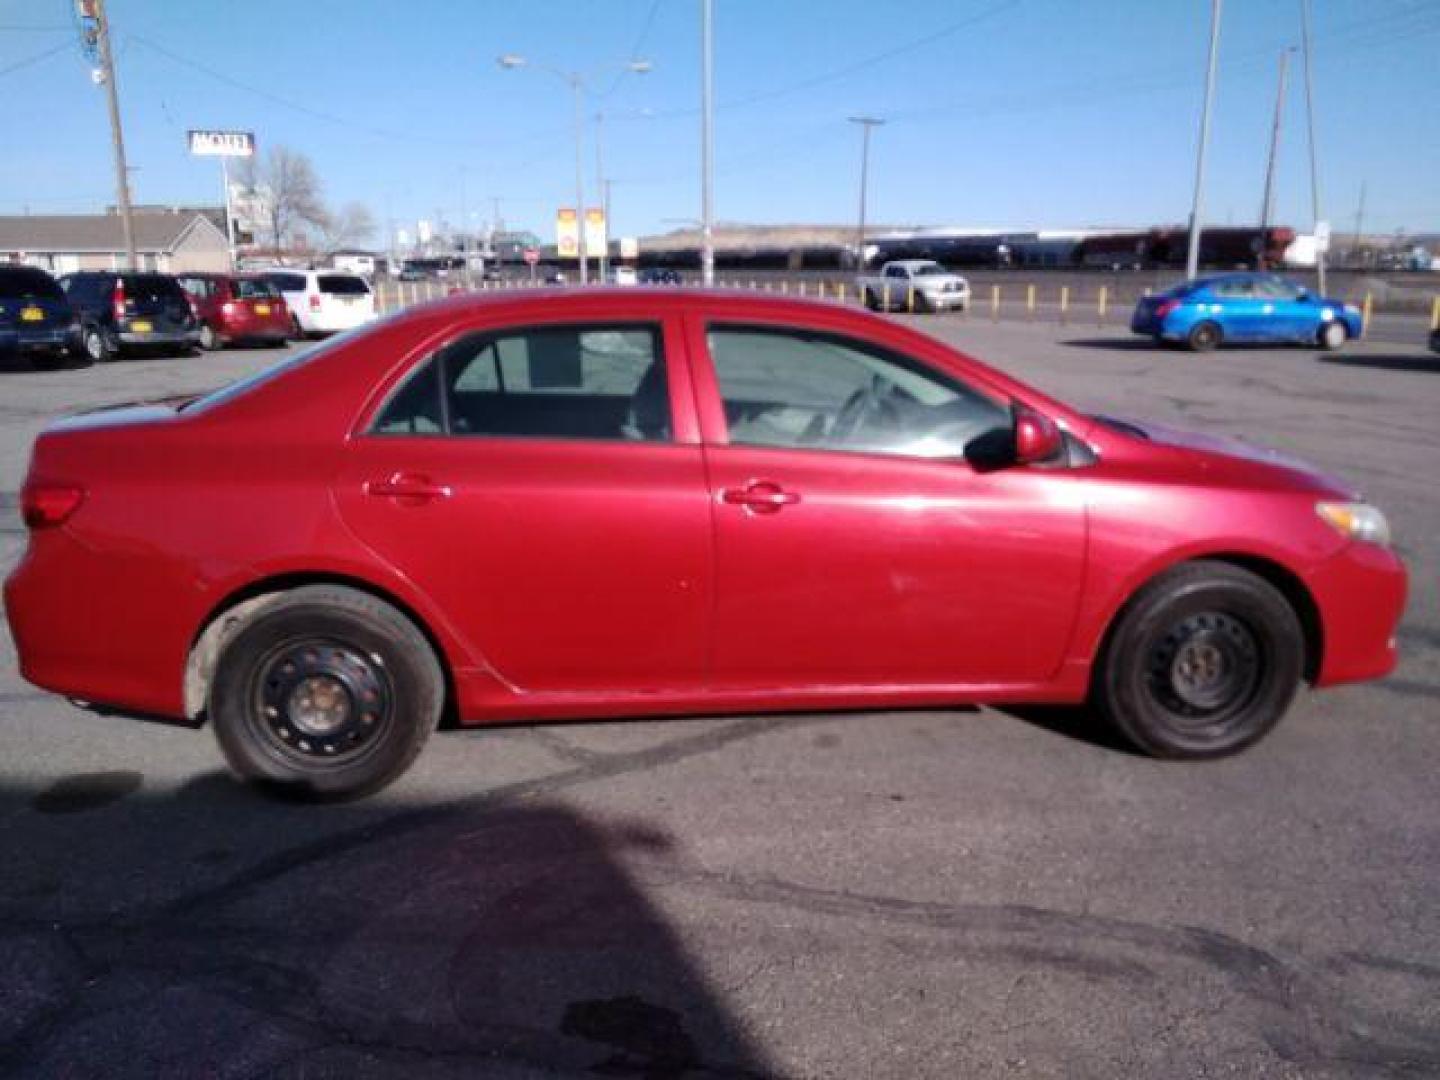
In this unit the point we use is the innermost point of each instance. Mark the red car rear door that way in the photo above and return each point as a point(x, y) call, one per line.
point(854, 544)
point(544, 487)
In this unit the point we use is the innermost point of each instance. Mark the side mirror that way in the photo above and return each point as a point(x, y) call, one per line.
point(1037, 437)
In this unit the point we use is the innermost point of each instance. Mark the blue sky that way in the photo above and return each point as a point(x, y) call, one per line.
point(1017, 113)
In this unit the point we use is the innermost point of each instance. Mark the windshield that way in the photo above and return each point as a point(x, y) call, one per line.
point(343, 285)
point(929, 270)
point(254, 289)
point(27, 283)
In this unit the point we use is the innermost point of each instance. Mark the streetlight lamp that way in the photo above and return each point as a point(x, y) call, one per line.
point(576, 81)
point(866, 123)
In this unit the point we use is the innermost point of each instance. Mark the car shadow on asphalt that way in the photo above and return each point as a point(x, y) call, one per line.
point(1416, 361)
point(1083, 723)
point(211, 930)
point(15, 365)
point(1135, 344)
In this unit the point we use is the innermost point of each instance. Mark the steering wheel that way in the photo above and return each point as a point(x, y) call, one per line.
point(860, 408)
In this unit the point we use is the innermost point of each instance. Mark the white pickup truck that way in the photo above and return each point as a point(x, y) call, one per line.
point(913, 285)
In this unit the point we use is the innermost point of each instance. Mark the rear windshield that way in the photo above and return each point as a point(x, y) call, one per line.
point(151, 287)
point(27, 283)
point(929, 270)
point(254, 289)
point(343, 285)
point(287, 282)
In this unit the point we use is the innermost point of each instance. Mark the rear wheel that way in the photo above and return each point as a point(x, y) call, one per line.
point(871, 301)
point(1333, 335)
point(1203, 662)
point(327, 693)
point(1203, 336)
point(97, 347)
point(209, 340)
point(297, 332)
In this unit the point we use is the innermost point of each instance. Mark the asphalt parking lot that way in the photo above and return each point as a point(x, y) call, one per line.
point(961, 893)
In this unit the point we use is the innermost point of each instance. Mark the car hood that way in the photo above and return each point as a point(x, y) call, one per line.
point(938, 279)
point(1225, 450)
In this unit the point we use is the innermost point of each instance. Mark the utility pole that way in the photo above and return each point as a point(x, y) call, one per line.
point(1267, 202)
point(602, 188)
point(1197, 206)
point(866, 123)
point(1359, 227)
point(1310, 122)
point(707, 142)
point(117, 135)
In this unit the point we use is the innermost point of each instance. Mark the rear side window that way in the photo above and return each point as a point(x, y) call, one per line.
point(586, 382)
point(28, 283)
point(200, 288)
point(343, 285)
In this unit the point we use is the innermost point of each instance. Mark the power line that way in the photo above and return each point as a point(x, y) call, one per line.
point(635, 50)
point(64, 46)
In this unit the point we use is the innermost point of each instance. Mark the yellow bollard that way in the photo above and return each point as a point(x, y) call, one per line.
point(994, 303)
point(785, 287)
point(1435, 314)
point(885, 297)
point(910, 299)
point(1064, 304)
point(1365, 313)
point(802, 288)
point(840, 293)
point(1100, 305)
point(752, 284)
point(1030, 300)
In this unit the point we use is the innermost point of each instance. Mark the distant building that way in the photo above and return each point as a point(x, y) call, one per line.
point(166, 241)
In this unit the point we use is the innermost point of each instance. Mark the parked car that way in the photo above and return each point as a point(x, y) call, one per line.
point(323, 301)
point(623, 275)
point(237, 307)
point(659, 275)
point(913, 284)
point(1248, 307)
point(537, 505)
point(36, 321)
point(127, 311)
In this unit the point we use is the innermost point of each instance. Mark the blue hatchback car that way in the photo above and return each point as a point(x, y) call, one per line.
point(1211, 311)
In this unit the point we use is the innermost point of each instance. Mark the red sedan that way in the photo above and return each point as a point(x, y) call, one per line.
point(633, 502)
point(237, 307)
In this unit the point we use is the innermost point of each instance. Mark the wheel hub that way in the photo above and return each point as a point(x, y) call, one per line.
point(1204, 665)
point(323, 699)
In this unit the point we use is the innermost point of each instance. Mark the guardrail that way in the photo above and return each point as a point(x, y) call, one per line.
point(1063, 304)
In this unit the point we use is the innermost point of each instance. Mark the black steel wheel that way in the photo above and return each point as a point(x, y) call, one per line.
point(1204, 336)
point(325, 693)
point(1202, 662)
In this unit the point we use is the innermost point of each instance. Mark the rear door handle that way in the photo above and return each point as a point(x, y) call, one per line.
point(408, 487)
point(760, 497)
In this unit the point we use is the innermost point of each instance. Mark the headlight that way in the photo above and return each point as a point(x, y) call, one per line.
point(1356, 521)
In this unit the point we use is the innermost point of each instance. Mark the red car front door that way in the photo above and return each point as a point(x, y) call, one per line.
point(854, 544)
point(544, 488)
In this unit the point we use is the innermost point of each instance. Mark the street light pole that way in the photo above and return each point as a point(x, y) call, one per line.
point(1267, 201)
point(1310, 123)
point(866, 123)
point(707, 142)
point(1197, 207)
point(602, 190)
point(117, 135)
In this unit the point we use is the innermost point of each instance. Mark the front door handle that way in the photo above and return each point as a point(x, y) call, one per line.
point(760, 497)
point(407, 487)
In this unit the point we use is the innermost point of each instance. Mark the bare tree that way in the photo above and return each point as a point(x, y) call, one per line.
point(350, 225)
point(287, 193)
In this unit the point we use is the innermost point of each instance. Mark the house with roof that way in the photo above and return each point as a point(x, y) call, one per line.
point(168, 241)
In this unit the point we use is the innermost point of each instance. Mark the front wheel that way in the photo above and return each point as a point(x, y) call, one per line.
point(326, 693)
point(1333, 335)
point(1203, 662)
point(96, 347)
point(209, 340)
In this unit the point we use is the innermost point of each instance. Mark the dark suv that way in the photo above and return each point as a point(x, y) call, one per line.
point(35, 318)
point(126, 310)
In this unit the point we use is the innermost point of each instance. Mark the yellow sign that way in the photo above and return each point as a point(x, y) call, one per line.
point(595, 238)
point(567, 233)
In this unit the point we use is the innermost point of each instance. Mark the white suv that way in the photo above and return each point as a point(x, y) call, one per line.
point(324, 301)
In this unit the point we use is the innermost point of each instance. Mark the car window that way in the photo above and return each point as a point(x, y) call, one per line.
point(27, 283)
point(1276, 288)
point(586, 382)
point(1234, 288)
point(151, 287)
point(254, 289)
point(287, 282)
point(895, 271)
point(342, 285)
point(200, 288)
point(793, 388)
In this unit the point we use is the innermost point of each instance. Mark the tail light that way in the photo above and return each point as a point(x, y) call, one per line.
point(230, 307)
point(46, 505)
point(1166, 307)
point(314, 301)
point(117, 299)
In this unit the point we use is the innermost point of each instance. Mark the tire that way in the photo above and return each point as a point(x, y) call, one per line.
point(96, 346)
point(297, 332)
point(209, 340)
point(1204, 336)
point(1332, 336)
point(371, 684)
point(1202, 662)
point(871, 301)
